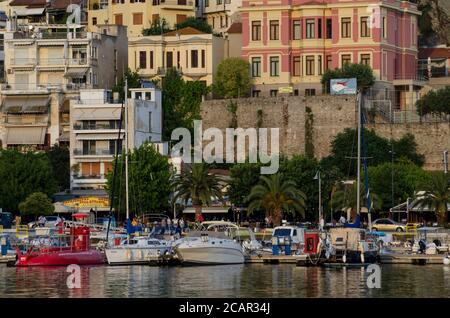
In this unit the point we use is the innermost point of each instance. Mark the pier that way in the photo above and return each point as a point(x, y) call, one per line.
point(275, 259)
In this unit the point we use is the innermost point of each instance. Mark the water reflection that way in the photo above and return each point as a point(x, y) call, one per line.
point(257, 280)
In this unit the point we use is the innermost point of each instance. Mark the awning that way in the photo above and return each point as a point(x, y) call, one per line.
point(25, 135)
point(76, 72)
point(222, 210)
point(28, 11)
point(28, 104)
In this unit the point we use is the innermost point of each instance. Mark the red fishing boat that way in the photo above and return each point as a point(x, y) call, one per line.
point(76, 251)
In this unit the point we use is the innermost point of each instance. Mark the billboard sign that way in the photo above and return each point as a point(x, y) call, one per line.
point(343, 86)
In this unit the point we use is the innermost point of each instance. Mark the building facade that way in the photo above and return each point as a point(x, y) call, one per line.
point(95, 119)
point(138, 14)
point(292, 43)
point(221, 14)
point(45, 68)
point(195, 54)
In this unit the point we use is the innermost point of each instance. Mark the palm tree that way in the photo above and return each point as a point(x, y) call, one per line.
point(276, 196)
point(436, 197)
point(198, 185)
point(345, 198)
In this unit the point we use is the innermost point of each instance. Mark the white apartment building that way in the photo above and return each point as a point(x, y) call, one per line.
point(95, 118)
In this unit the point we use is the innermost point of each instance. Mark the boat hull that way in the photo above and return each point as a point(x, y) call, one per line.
point(354, 257)
point(210, 255)
point(62, 258)
point(131, 256)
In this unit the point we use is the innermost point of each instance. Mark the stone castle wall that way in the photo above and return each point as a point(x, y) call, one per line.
point(309, 124)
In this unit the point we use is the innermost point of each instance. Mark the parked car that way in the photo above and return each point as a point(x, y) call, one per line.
point(6, 219)
point(388, 225)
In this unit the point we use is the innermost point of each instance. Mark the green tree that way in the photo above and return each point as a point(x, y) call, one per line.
point(23, 174)
point(197, 185)
point(345, 198)
point(59, 157)
point(181, 102)
point(362, 72)
point(276, 196)
point(344, 147)
point(407, 177)
point(434, 102)
point(243, 177)
point(149, 176)
point(158, 27)
point(37, 203)
point(134, 81)
point(232, 78)
point(195, 23)
point(436, 197)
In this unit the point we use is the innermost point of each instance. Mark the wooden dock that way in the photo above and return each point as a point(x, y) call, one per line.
point(275, 259)
point(416, 259)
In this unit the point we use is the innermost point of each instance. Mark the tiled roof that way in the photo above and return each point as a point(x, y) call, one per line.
point(235, 28)
point(424, 53)
point(184, 31)
point(29, 3)
point(62, 4)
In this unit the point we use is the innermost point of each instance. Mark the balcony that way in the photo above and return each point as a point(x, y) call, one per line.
point(77, 177)
point(25, 61)
point(19, 35)
point(95, 127)
point(77, 61)
point(161, 71)
point(25, 120)
point(174, 4)
point(93, 152)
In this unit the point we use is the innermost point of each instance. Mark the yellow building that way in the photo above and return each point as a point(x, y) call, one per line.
point(138, 14)
point(195, 54)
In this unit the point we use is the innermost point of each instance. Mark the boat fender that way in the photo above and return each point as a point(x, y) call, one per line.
point(362, 257)
point(446, 260)
point(344, 258)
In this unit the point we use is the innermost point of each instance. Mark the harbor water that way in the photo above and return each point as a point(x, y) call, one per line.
point(250, 280)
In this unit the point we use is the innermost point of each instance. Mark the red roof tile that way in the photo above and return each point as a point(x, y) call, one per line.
point(184, 31)
point(235, 28)
point(424, 53)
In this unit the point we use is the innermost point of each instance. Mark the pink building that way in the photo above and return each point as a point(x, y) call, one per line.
point(290, 43)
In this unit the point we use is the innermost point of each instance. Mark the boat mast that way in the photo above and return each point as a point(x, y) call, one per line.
point(126, 150)
point(358, 174)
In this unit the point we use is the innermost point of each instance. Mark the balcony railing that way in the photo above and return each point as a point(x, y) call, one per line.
point(27, 119)
point(23, 61)
point(95, 127)
point(49, 35)
point(77, 61)
point(93, 152)
point(92, 176)
point(163, 70)
point(51, 61)
point(173, 3)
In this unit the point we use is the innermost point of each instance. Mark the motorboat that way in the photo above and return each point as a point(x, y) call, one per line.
point(61, 250)
point(348, 245)
point(213, 243)
point(139, 250)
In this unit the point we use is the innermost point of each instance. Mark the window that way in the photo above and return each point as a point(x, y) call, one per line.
point(329, 64)
point(296, 66)
point(203, 59)
point(346, 59)
point(256, 31)
point(274, 29)
point(118, 19)
point(346, 27)
point(169, 59)
point(94, 21)
point(150, 122)
point(365, 59)
point(310, 65)
point(256, 93)
point(221, 21)
point(310, 28)
point(194, 58)
point(142, 59)
point(384, 27)
point(295, 92)
point(365, 31)
point(329, 28)
point(296, 35)
point(310, 92)
point(273, 93)
point(274, 65)
point(206, 3)
point(155, 17)
point(151, 59)
point(319, 62)
point(256, 67)
point(319, 28)
point(178, 60)
point(219, 2)
point(137, 18)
